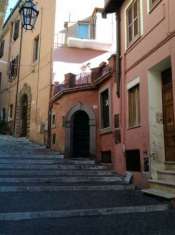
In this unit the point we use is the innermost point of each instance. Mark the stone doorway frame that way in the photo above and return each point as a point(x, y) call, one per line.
point(26, 90)
point(68, 132)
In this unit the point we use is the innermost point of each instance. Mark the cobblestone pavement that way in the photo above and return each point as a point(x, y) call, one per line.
point(42, 193)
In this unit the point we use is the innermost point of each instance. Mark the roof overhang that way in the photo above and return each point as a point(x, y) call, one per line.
point(112, 5)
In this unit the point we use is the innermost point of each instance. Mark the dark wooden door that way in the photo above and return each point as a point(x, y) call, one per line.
point(168, 115)
point(81, 136)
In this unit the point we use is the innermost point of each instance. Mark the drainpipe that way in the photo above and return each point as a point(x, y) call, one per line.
point(118, 52)
point(18, 77)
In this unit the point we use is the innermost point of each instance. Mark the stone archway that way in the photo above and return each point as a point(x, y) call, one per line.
point(69, 130)
point(23, 111)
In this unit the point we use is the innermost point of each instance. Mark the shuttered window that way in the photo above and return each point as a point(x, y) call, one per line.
point(133, 21)
point(134, 106)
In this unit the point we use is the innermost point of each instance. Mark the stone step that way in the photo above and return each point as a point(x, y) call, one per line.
point(159, 193)
point(61, 200)
point(166, 175)
point(32, 156)
point(22, 216)
point(162, 185)
point(53, 166)
point(33, 173)
point(70, 188)
point(170, 165)
point(44, 161)
point(61, 179)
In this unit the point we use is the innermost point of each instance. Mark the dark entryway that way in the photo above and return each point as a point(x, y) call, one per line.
point(168, 115)
point(81, 135)
point(24, 115)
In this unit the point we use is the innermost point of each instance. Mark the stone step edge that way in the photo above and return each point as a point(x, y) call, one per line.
point(159, 193)
point(166, 172)
point(162, 182)
point(18, 216)
point(5, 189)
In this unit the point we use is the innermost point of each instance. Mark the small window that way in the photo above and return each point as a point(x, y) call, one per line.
point(2, 44)
point(106, 156)
point(36, 49)
point(54, 138)
point(134, 106)
point(133, 21)
point(11, 110)
point(53, 121)
point(13, 68)
point(104, 98)
point(133, 160)
point(83, 31)
point(16, 30)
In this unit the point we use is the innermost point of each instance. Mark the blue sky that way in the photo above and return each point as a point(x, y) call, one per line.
point(11, 5)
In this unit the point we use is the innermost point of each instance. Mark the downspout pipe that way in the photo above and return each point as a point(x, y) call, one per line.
point(118, 52)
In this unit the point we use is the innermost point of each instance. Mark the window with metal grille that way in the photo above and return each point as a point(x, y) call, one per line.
point(133, 21)
point(2, 44)
point(134, 106)
point(13, 70)
point(106, 156)
point(16, 30)
point(104, 97)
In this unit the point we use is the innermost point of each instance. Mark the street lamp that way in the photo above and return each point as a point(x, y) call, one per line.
point(29, 14)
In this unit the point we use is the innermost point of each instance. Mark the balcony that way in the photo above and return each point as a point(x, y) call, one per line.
point(112, 5)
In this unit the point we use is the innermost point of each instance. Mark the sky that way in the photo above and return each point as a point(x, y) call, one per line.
point(11, 5)
point(74, 10)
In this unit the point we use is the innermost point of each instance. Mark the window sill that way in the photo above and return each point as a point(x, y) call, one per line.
point(154, 6)
point(130, 45)
point(134, 127)
point(106, 130)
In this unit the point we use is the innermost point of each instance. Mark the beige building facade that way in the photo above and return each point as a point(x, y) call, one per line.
point(26, 73)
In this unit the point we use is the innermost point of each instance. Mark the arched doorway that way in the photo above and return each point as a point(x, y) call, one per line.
point(80, 134)
point(80, 120)
point(24, 115)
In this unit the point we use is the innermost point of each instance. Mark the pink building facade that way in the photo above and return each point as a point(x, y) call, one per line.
point(146, 52)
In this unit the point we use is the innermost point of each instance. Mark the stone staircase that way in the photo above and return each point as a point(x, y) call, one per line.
point(164, 185)
point(37, 184)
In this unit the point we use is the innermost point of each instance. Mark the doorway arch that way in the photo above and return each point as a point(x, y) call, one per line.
point(84, 114)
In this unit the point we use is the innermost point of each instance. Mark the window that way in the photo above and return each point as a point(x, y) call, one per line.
point(13, 68)
point(104, 98)
point(106, 157)
point(16, 30)
point(11, 111)
point(2, 48)
point(83, 31)
point(53, 120)
point(134, 106)
point(133, 21)
point(36, 49)
point(54, 138)
point(153, 3)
